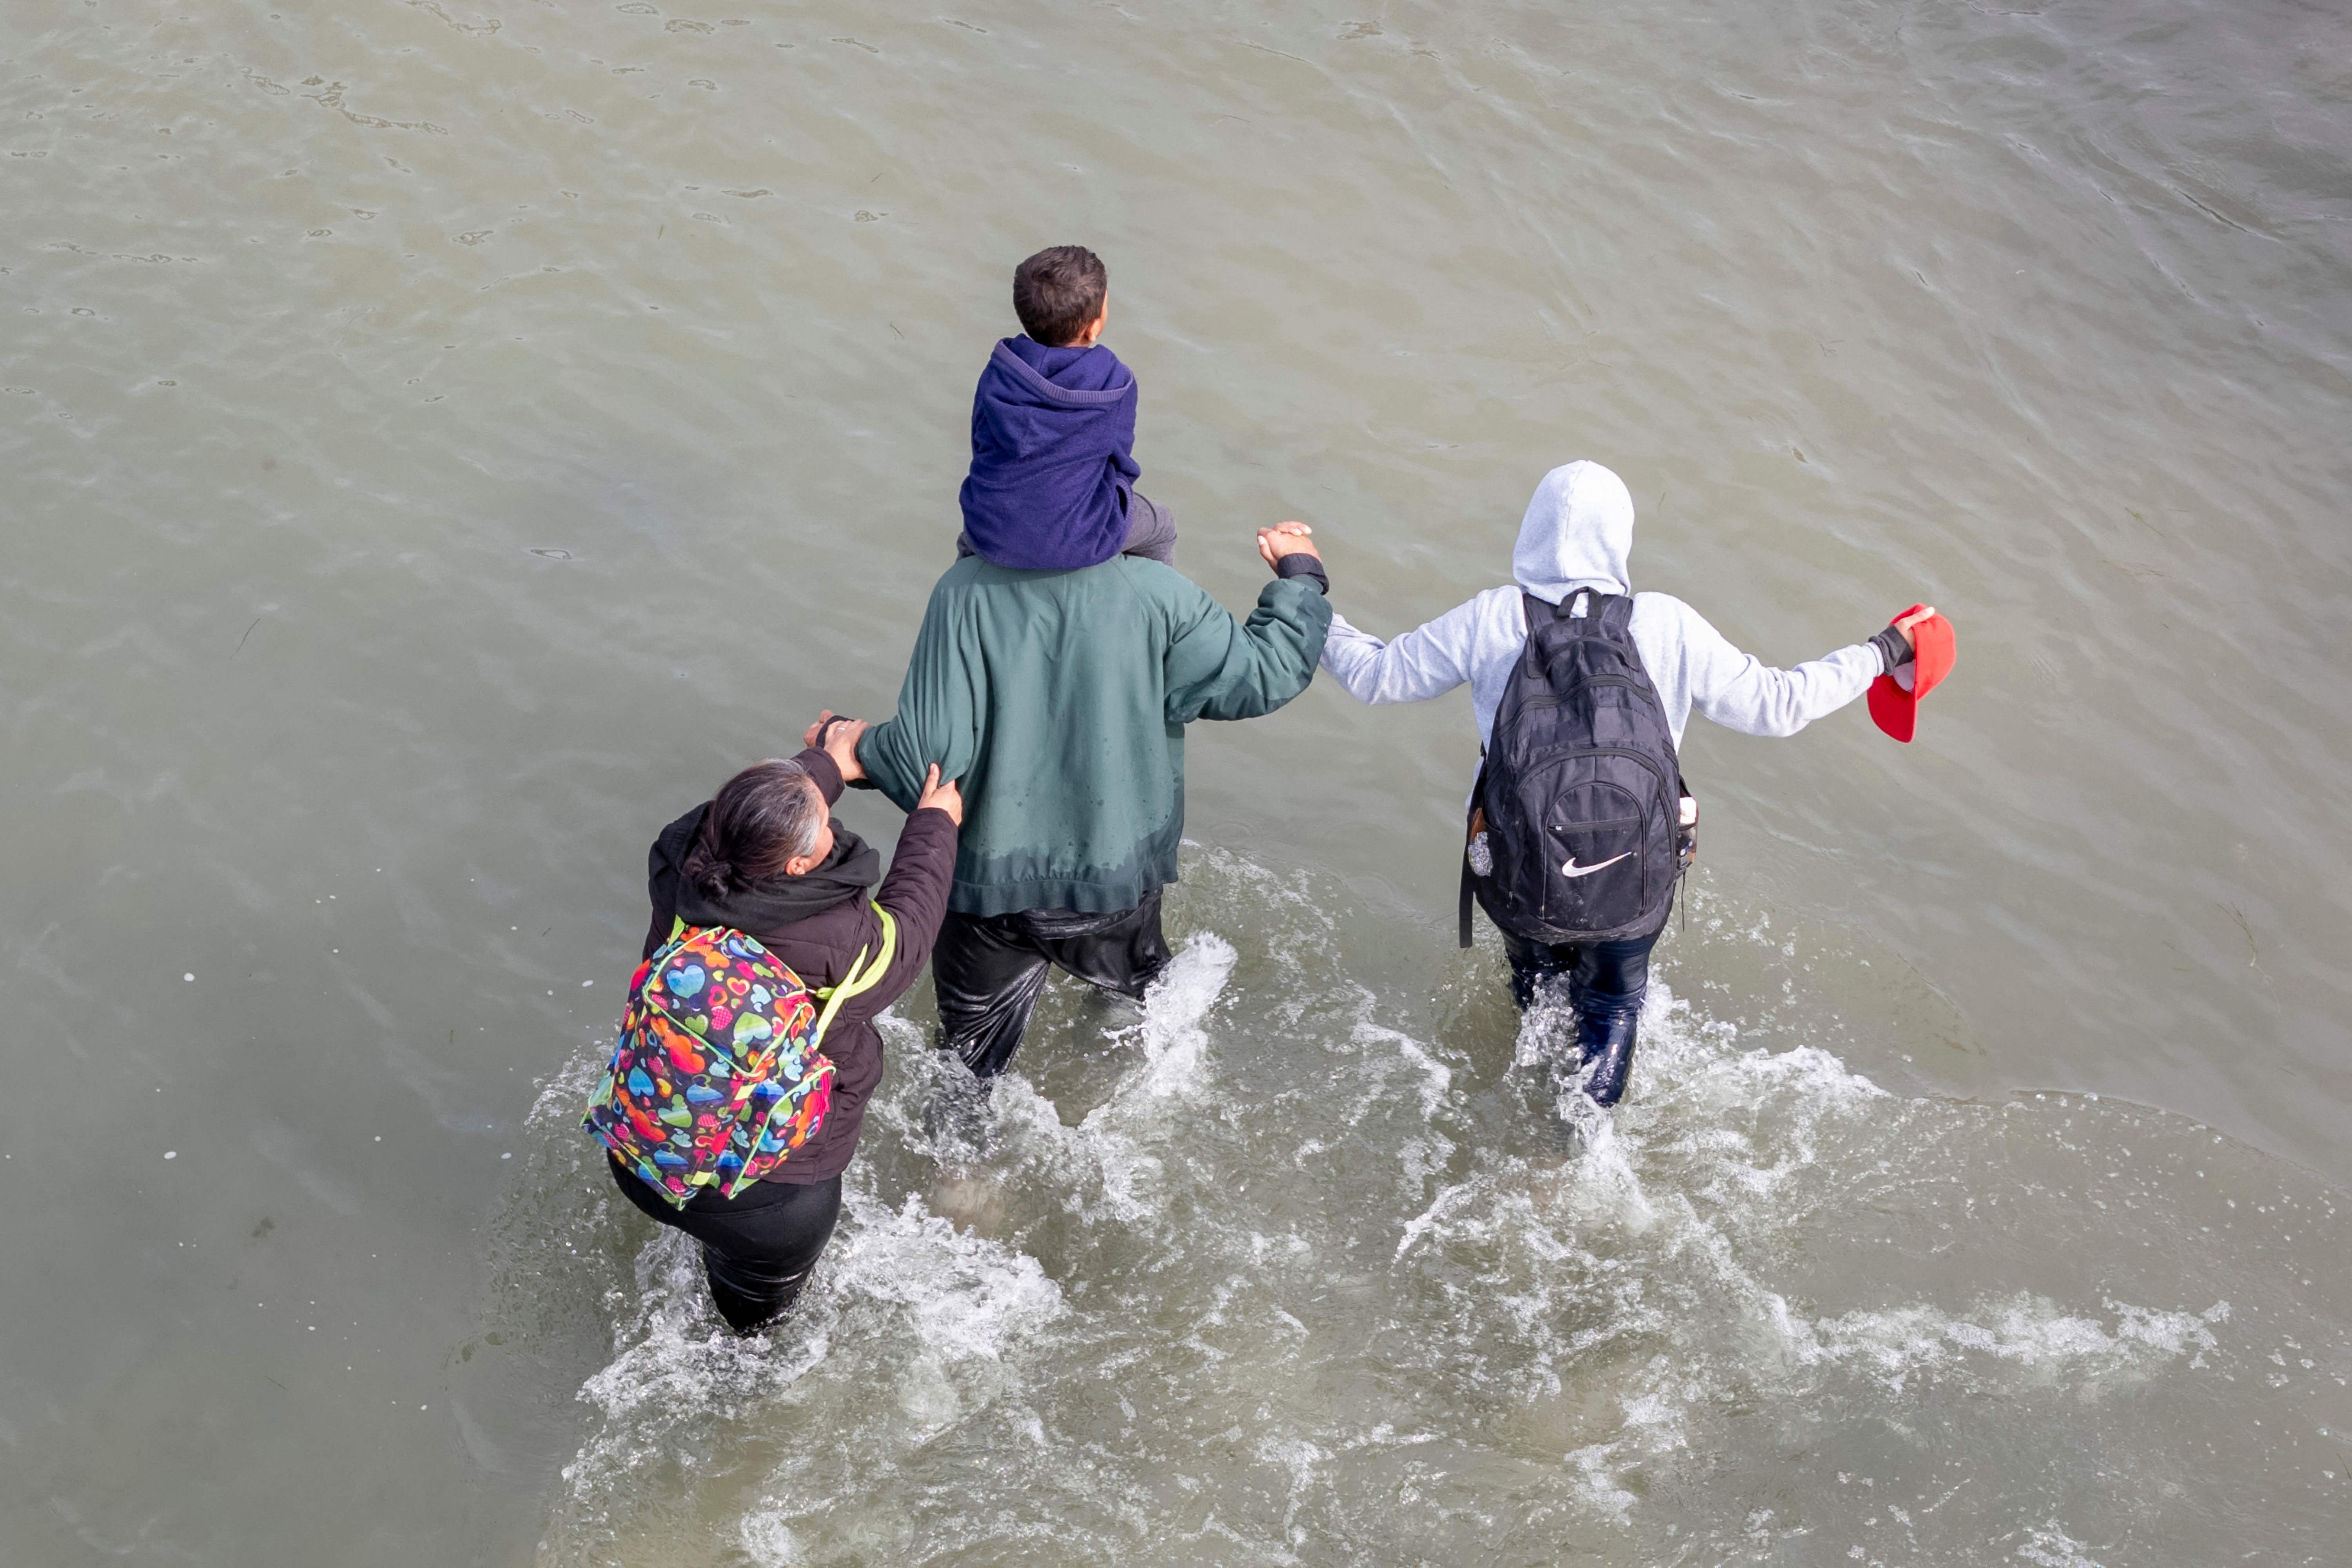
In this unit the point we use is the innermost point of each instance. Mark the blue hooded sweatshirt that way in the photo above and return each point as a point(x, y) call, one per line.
point(1052, 435)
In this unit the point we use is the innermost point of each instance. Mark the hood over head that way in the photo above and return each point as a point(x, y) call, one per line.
point(1576, 533)
point(1053, 437)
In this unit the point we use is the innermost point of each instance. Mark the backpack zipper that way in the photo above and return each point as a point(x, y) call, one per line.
point(1672, 812)
point(1549, 698)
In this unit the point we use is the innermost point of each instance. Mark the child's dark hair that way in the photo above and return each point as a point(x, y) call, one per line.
point(770, 812)
point(1057, 291)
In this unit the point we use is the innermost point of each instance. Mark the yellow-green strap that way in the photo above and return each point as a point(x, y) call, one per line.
point(862, 976)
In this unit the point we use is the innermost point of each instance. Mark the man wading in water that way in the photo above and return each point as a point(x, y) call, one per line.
point(1059, 699)
point(1579, 824)
point(1058, 696)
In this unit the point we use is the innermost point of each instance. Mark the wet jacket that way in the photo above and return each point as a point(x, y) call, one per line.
point(1059, 701)
point(816, 924)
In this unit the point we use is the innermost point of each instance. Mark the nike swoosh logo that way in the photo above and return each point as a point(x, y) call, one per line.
point(1573, 870)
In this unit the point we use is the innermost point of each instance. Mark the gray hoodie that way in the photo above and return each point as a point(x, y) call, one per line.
point(1578, 533)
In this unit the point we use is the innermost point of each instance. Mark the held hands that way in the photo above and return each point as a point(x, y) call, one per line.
point(838, 734)
point(941, 797)
point(1285, 538)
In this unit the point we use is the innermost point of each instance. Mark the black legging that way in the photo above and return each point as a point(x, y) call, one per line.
point(987, 970)
point(757, 1249)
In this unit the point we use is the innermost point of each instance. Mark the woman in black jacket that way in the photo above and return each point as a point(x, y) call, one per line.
point(765, 857)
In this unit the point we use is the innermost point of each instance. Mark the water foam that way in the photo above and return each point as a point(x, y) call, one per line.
point(1893, 1345)
point(1109, 1166)
point(1665, 1228)
point(1302, 1286)
point(2051, 1547)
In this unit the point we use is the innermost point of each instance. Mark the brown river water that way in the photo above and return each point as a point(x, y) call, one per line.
point(443, 439)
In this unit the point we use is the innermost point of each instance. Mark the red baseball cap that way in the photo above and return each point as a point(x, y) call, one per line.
point(1895, 698)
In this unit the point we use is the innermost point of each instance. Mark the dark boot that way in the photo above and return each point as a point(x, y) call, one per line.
point(1604, 1039)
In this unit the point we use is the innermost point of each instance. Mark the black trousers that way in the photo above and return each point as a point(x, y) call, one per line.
point(757, 1249)
point(989, 970)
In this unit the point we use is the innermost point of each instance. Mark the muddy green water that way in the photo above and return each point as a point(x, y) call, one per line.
point(443, 439)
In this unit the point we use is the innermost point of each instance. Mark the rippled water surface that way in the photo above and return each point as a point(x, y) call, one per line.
point(444, 439)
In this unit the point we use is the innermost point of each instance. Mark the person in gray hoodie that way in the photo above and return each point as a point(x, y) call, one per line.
point(1576, 535)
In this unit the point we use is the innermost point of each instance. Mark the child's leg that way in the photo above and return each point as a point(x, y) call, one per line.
point(1150, 530)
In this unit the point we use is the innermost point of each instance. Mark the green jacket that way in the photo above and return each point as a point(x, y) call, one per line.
point(1059, 699)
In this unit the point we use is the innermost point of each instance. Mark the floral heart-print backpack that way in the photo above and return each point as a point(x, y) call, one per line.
point(718, 1076)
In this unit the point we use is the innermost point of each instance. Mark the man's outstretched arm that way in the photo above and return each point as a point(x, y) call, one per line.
point(1222, 668)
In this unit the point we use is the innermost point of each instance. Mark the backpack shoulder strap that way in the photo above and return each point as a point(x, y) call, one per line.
point(1478, 794)
point(660, 955)
point(1615, 617)
point(1614, 623)
point(1540, 616)
point(862, 977)
point(1469, 893)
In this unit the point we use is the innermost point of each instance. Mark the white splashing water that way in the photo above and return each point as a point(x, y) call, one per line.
point(1299, 1287)
point(2051, 1547)
point(1894, 1345)
point(1107, 1164)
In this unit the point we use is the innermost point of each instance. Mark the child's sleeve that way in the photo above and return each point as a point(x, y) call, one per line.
point(1428, 661)
point(1740, 692)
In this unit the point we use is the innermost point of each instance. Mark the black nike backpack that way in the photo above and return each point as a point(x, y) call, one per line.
point(1581, 791)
